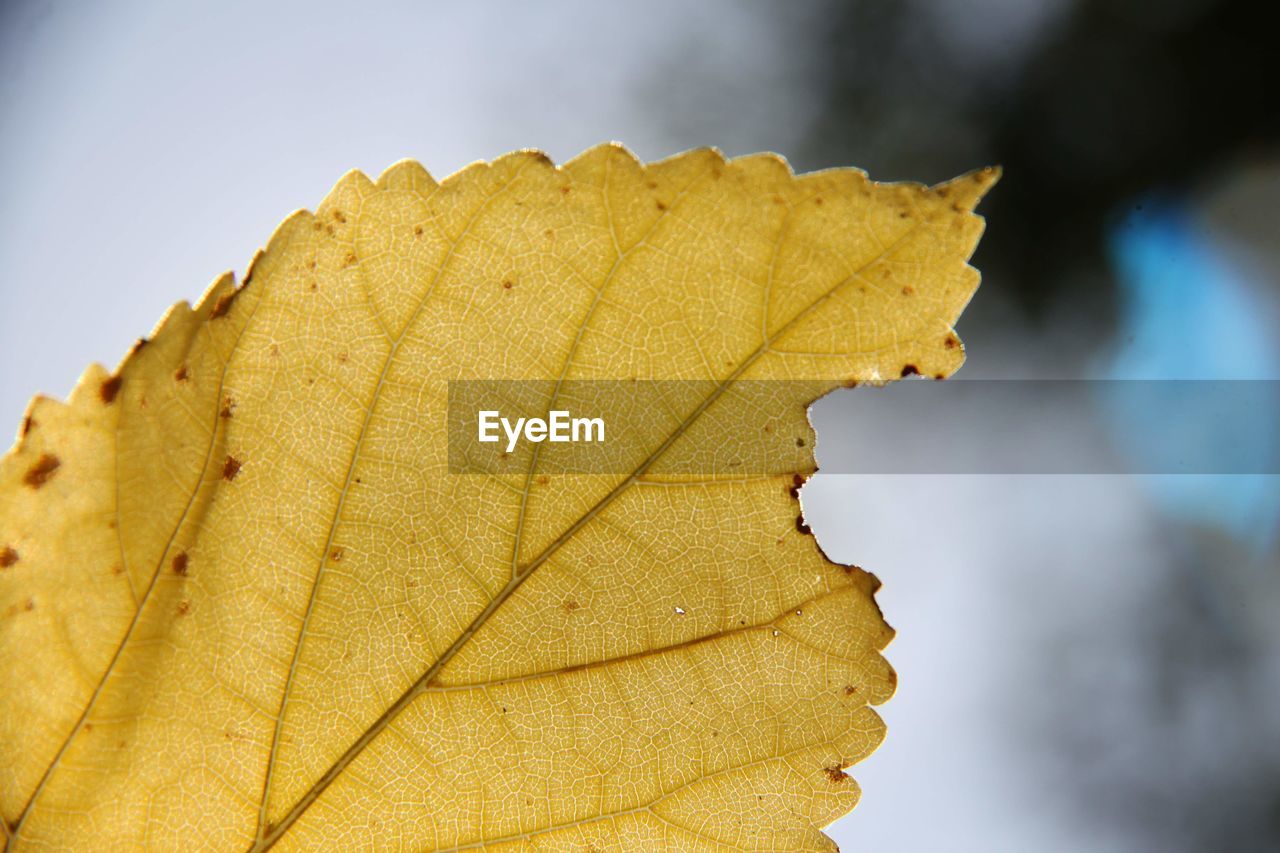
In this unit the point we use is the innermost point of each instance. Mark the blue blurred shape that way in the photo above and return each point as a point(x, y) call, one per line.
point(1186, 312)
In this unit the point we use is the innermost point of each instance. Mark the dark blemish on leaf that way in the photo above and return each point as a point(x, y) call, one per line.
point(138, 345)
point(541, 157)
point(349, 259)
point(543, 479)
point(777, 199)
point(653, 185)
point(507, 284)
point(44, 468)
point(109, 388)
point(339, 216)
point(28, 424)
point(818, 201)
point(907, 290)
point(768, 429)
point(939, 376)
point(571, 605)
point(659, 205)
point(910, 370)
point(8, 557)
point(313, 286)
point(230, 468)
point(958, 207)
point(228, 407)
point(950, 342)
point(311, 264)
point(799, 442)
point(184, 607)
point(797, 482)
point(223, 305)
point(181, 374)
point(337, 554)
point(549, 233)
point(850, 690)
point(88, 727)
point(328, 229)
point(801, 526)
point(835, 774)
point(180, 563)
point(565, 190)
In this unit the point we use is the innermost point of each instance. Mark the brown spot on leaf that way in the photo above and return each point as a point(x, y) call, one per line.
point(939, 376)
point(801, 526)
point(950, 342)
point(566, 190)
point(349, 259)
point(184, 607)
point(910, 370)
point(8, 557)
point(339, 216)
point(850, 690)
point(109, 388)
point(28, 424)
point(417, 230)
point(230, 468)
point(543, 479)
point(653, 185)
point(835, 774)
point(223, 305)
point(336, 554)
point(818, 201)
point(181, 374)
point(507, 284)
point(228, 407)
point(43, 469)
point(180, 563)
point(138, 345)
point(659, 205)
point(907, 290)
point(570, 605)
point(799, 442)
point(796, 483)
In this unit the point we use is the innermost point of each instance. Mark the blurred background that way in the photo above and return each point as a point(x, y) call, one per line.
point(1086, 662)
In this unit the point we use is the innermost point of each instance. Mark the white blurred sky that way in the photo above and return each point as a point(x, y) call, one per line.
point(146, 148)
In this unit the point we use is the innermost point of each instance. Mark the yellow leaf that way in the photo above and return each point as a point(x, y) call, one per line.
point(244, 601)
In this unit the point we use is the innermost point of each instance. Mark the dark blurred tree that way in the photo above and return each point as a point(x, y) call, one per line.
point(1109, 99)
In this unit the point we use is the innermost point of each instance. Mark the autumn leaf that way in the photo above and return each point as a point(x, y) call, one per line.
point(245, 602)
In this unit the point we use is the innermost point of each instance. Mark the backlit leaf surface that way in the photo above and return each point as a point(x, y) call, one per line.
point(244, 602)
